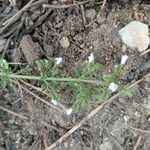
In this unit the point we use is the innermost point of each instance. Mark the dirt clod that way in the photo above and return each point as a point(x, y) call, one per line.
point(91, 13)
point(31, 50)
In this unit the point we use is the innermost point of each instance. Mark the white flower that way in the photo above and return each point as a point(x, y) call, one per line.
point(124, 59)
point(58, 60)
point(69, 111)
point(54, 102)
point(91, 58)
point(113, 87)
point(126, 118)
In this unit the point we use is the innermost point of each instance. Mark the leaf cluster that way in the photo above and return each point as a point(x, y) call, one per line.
point(4, 68)
point(47, 69)
point(83, 91)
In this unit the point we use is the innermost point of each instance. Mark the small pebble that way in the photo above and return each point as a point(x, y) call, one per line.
point(82, 45)
point(135, 35)
point(81, 132)
point(32, 132)
point(91, 13)
point(18, 135)
point(64, 42)
point(66, 144)
point(12, 121)
point(7, 132)
point(137, 115)
point(106, 146)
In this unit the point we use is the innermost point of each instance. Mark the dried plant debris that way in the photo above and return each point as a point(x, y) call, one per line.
point(31, 50)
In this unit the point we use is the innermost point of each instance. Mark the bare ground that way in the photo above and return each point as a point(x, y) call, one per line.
point(122, 125)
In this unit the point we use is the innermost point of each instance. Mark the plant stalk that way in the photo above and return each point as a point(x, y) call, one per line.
point(52, 79)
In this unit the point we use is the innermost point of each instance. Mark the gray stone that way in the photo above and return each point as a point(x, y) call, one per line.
point(135, 35)
point(91, 13)
point(106, 146)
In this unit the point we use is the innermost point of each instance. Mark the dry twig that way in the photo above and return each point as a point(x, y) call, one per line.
point(34, 87)
point(137, 142)
point(83, 14)
point(13, 113)
point(65, 6)
point(36, 96)
point(140, 130)
point(6, 46)
point(102, 7)
point(51, 126)
point(40, 90)
point(15, 17)
point(147, 51)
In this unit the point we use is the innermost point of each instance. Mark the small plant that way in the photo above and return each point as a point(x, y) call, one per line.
point(48, 69)
point(4, 68)
point(53, 79)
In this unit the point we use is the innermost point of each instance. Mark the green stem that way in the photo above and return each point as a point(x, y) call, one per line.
point(52, 79)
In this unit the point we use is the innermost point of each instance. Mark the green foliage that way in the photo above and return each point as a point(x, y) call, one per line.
point(125, 91)
point(84, 93)
point(128, 92)
point(47, 69)
point(83, 97)
point(4, 68)
point(106, 80)
point(24, 71)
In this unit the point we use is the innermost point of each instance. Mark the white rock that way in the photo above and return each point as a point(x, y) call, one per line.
point(135, 35)
point(64, 42)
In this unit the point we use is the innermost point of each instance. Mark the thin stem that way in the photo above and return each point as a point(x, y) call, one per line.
point(52, 79)
point(13, 113)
